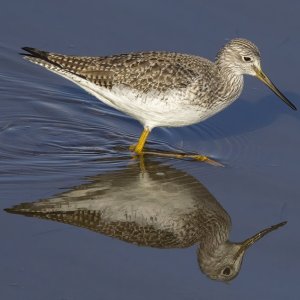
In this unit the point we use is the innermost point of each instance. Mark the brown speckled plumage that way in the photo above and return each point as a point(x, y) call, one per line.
point(142, 71)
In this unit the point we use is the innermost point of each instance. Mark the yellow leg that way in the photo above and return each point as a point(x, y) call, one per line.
point(138, 148)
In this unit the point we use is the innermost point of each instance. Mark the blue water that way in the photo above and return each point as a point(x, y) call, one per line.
point(53, 136)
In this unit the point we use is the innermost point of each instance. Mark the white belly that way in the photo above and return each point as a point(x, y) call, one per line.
point(151, 109)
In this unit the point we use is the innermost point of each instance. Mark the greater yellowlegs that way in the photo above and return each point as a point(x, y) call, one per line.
point(158, 206)
point(162, 88)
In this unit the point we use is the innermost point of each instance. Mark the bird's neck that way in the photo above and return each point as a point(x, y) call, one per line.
point(214, 231)
point(230, 78)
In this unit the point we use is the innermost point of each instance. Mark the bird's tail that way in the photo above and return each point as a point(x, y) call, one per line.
point(40, 57)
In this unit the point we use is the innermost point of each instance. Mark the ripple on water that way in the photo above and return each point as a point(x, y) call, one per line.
point(210, 139)
point(50, 127)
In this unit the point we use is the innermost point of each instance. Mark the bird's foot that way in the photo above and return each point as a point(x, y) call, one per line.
point(205, 159)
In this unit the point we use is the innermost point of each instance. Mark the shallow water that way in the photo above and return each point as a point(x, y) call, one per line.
point(53, 136)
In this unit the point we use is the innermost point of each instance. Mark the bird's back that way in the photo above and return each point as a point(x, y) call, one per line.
point(144, 71)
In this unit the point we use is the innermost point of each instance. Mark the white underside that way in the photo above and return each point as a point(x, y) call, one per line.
point(152, 109)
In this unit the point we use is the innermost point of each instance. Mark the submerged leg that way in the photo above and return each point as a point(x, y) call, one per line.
point(138, 148)
point(197, 157)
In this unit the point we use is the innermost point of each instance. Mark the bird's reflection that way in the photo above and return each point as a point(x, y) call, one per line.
point(156, 206)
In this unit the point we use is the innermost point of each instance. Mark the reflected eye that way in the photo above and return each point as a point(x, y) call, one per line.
point(247, 58)
point(226, 271)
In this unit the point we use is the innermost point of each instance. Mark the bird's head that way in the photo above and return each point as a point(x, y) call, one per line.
point(243, 58)
point(224, 262)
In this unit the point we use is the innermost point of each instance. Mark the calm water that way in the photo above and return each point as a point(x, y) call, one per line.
point(54, 136)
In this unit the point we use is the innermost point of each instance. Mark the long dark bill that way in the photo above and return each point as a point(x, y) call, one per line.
point(263, 77)
point(250, 241)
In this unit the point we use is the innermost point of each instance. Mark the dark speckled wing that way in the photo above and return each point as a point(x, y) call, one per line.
point(142, 71)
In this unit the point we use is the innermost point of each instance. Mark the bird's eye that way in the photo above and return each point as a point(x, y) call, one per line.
point(247, 58)
point(226, 271)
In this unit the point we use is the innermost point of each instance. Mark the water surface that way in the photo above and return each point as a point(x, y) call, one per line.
point(53, 136)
